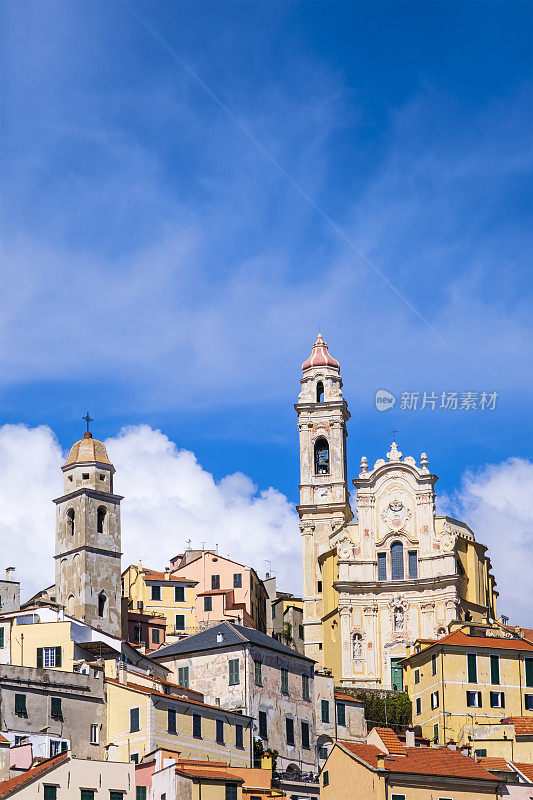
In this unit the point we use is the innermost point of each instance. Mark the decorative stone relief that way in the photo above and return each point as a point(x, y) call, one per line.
point(345, 549)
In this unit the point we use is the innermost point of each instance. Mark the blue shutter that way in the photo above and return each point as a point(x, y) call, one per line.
point(39, 656)
point(382, 566)
point(413, 564)
point(396, 557)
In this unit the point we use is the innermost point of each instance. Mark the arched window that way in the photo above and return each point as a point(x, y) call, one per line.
point(100, 519)
point(396, 560)
point(321, 457)
point(102, 603)
point(320, 392)
point(71, 521)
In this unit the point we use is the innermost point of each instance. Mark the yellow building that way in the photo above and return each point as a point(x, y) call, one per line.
point(472, 678)
point(154, 592)
point(145, 714)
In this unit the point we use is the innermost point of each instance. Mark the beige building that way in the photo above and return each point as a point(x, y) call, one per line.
point(384, 768)
point(152, 592)
point(399, 573)
point(284, 616)
point(65, 777)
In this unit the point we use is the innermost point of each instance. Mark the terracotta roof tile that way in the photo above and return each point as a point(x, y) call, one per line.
point(6, 787)
point(390, 740)
point(152, 575)
point(525, 769)
point(181, 698)
point(209, 774)
point(87, 450)
point(460, 639)
point(3, 739)
point(320, 356)
point(422, 761)
point(523, 726)
point(498, 764)
point(347, 697)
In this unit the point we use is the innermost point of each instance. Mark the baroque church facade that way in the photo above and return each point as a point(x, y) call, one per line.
point(389, 572)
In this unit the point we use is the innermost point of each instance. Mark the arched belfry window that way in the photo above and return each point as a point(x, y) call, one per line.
point(100, 519)
point(320, 392)
point(396, 561)
point(102, 604)
point(71, 521)
point(321, 457)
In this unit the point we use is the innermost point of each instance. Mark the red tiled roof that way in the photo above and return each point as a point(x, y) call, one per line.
point(525, 769)
point(422, 761)
point(152, 575)
point(390, 740)
point(6, 787)
point(209, 774)
point(347, 697)
point(320, 356)
point(523, 726)
point(3, 739)
point(495, 764)
point(460, 639)
point(214, 591)
point(181, 698)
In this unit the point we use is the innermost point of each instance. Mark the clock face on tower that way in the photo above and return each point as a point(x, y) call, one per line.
point(322, 493)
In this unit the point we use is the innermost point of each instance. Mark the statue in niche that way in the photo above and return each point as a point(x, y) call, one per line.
point(399, 618)
point(357, 645)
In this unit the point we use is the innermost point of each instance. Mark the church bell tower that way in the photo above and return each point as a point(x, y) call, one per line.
point(88, 575)
point(324, 507)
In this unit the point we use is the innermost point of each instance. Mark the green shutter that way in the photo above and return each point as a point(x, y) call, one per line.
point(39, 656)
point(140, 793)
point(50, 793)
point(325, 710)
point(1, 637)
point(472, 667)
point(341, 714)
point(20, 704)
point(234, 672)
point(87, 794)
point(58, 656)
point(56, 707)
point(495, 670)
point(113, 795)
point(529, 671)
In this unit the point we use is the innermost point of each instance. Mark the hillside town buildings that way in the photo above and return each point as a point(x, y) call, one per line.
point(198, 679)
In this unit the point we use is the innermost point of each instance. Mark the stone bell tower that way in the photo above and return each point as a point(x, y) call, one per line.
point(324, 507)
point(88, 575)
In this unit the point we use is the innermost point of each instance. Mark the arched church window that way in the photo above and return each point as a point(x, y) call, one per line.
point(320, 392)
point(357, 645)
point(396, 560)
point(71, 521)
point(100, 519)
point(102, 604)
point(321, 457)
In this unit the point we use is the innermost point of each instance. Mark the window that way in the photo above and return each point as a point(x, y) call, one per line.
point(55, 708)
point(137, 633)
point(2, 638)
point(87, 794)
point(289, 730)
point(263, 733)
point(397, 797)
point(102, 604)
point(114, 795)
point(396, 561)
point(85, 476)
point(179, 594)
point(324, 707)
point(20, 705)
point(258, 674)
point(208, 603)
point(436, 733)
point(284, 681)
point(180, 622)
point(239, 737)
point(95, 734)
point(413, 564)
point(528, 702)
point(418, 706)
point(382, 566)
point(234, 678)
point(100, 519)
point(71, 522)
point(341, 714)
point(325, 778)
point(48, 656)
point(529, 671)
point(497, 700)
point(134, 758)
point(140, 793)
point(319, 586)
point(480, 753)
point(495, 670)
point(473, 699)
point(197, 726)
point(183, 676)
point(434, 664)
point(171, 720)
point(322, 753)
point(56, 747)
point(434, 699)
point(300, 631)
point(237, 580)
point(231, 791)
point(220, 731)
point(134, 719)
point(321, 457)
point(471, 662)
point(215, 581)
point(50, 792)
point(417, 676)
point(305, 687)
point(155, 635)
point(305, 735)
point(155, 593)
point(273, 611)
point(320, 392)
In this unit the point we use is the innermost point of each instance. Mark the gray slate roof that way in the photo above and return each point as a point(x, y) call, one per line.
point(233, 635)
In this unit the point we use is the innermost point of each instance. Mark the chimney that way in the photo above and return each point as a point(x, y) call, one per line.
point(409, 737)
point(381, 760)
point(451, 745)
point(122, 672)
point(220, 637)
point(10, 573)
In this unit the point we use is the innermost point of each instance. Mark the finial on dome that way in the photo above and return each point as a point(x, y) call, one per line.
point(364, 464)
point(88, 418)
point(424, 461)
point(394, 454)
point(320, 356)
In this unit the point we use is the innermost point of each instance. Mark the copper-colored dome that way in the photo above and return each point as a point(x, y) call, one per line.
point(87, 450)
point(320, 356)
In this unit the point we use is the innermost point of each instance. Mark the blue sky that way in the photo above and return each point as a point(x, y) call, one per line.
point(187, 198)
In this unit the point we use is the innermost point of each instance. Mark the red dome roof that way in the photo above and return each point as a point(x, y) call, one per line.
point(320, 356)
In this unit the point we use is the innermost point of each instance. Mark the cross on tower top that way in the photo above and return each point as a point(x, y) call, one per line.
point(394, 431)
point(87, 419)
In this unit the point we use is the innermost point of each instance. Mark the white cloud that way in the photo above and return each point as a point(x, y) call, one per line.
point(496, 503)
point(168, 499)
